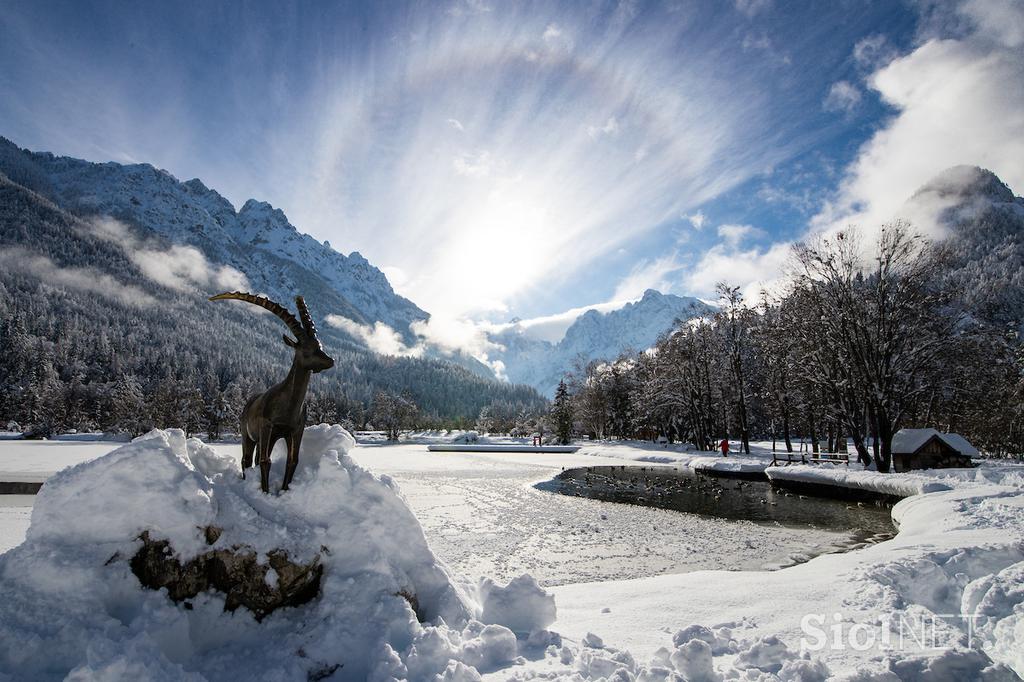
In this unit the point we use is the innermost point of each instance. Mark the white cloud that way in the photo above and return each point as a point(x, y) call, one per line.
point(610, 127)
point(955, 106)
point(448, 335)
point(83, 279)
point(733, 234)
point(648, 274)
point(178, 267)
point(473, 165)
point(378, 337)
point(843, 96)
point(752, 42)
point(697, 220)
point(437, 335)
point(764, 44)
point(364, 154)
point(1002, 20)
point(874, 52)
point(753, 270)
point(398, 278)
point(552, 32)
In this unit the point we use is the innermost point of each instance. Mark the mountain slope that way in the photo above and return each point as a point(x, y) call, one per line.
point(593, 336)
point(256, 240)
point(982, 223)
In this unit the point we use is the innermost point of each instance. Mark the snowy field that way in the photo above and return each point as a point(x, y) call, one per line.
point(944, 600)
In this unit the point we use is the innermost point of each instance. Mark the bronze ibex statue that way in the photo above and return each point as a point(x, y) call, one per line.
point(280, 412)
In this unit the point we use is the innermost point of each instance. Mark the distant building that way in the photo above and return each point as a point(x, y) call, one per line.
point(930, 449)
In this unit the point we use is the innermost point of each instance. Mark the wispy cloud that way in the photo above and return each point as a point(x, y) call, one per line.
point(473, 164)
point(178, 267)
point(752, 8)
point(843, 96)
point(88, 280)
point(378, 337)
point(732, 234)
point(654, 273)
point(436, 336)
point(553, 106)
point(610, 127)
point(697, 220)
point(873, 52)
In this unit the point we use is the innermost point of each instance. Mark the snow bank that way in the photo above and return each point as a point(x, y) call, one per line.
point(70, 604)
point(905, 484)
point(899, 485)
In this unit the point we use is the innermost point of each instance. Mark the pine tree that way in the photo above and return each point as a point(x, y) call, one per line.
point(128, 406)
point(561, 414)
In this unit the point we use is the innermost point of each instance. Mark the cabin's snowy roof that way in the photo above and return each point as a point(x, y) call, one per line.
point(909, 441)
point(959, 443)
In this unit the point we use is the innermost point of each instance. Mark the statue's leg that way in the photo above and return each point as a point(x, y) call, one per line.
point(294, 441)
point(266, 446)
point(248, 448)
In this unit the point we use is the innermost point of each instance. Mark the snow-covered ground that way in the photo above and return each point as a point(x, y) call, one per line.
point(958, 560)
point(37, 460)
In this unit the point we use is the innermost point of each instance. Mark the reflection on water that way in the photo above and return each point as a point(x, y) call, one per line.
point(685, 491)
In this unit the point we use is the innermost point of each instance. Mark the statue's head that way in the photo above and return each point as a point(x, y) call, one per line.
point(308, 351)
point(307, 346)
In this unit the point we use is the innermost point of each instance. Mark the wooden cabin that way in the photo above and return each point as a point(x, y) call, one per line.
point(930, 449)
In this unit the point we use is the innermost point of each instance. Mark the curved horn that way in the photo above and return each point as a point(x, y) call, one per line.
point(307, 320)
point(263, 302)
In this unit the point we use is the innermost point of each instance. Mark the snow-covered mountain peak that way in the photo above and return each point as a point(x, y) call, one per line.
point(967, 182)
point(594, 335)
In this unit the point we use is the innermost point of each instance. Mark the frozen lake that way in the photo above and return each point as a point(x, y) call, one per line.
point(483, 515)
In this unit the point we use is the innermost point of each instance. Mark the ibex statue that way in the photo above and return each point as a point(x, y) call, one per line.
point(280, 412)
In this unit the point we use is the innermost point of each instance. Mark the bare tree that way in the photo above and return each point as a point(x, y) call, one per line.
point(881, 326)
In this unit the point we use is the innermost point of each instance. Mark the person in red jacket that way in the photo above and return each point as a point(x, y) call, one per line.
point(724, 445)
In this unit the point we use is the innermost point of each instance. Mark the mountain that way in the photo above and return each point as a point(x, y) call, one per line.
point(982, 224)
point(256, 240)
point(99, 318)
point(592, 336)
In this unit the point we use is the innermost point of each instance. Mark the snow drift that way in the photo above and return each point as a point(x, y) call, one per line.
point(69, 603)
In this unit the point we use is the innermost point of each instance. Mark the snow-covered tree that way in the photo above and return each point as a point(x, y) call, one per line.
point(562, 414)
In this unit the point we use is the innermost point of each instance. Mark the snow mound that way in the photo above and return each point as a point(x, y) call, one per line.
point(521, 606)
point(70, 604)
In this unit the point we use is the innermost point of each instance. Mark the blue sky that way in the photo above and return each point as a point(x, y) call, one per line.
point(504, 159)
